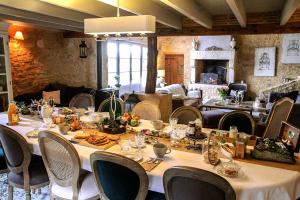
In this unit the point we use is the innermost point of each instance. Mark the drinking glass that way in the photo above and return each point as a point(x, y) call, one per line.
point(91, 109)
point(125, 146)
point(48, 122)
point(176, 135)
point(173, 123)
point(233, 131)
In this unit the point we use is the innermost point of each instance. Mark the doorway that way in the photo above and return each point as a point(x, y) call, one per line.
point(174, 68)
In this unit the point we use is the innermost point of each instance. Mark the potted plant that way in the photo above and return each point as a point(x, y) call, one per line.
point(117, 78)
point(222, 93)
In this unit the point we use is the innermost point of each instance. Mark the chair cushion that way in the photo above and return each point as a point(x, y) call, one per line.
point(37, 173)
point(87, 189)
point(275, 96)
point(2, 160)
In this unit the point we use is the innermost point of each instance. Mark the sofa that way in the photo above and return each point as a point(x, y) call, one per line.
point(181, 96)
point(66, 94)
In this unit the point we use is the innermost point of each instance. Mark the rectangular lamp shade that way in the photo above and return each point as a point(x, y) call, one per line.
point(120, 25)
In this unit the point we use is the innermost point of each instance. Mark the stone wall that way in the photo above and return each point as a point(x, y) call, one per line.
point(245, 51)
point(45, 56)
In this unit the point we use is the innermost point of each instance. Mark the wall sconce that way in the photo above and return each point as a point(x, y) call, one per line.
point(82, 50)
point(18, 36)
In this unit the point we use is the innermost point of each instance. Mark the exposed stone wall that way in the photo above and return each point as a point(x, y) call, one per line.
point(176, 45)
point(245, 52)
point(45, 56)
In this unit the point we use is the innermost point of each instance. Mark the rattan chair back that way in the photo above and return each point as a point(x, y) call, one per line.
point(243, 120)
point(82, 100)
point(61, 160)
point(185, 114)
point(147, 110)
point(279, 113)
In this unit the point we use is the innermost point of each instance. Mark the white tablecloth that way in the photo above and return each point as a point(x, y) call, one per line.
point(256, 182)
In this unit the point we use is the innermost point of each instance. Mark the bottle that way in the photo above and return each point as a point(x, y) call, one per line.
point(12, 114)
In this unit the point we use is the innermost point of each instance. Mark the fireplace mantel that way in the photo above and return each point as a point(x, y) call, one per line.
point(216, 55)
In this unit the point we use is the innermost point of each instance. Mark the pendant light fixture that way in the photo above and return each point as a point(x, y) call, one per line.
point(120, 25)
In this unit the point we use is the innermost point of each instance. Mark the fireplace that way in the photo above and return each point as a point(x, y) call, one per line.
point(214, 72)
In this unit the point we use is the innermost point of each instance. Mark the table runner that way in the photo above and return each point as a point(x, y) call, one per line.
point(256, 181)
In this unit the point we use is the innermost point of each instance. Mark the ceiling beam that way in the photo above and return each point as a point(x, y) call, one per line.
point(238, 9)
point(7, 13)
point(91, 7)
point(191, 10)
point(37, 6)
point(147, 7)
point(289, 8)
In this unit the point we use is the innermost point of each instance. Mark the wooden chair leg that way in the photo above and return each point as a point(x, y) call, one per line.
point(10, 192)
point(28, 195)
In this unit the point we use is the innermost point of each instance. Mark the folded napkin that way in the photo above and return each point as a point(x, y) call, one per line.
point(148, 166)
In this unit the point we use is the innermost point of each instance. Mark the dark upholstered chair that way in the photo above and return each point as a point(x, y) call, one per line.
point(185, 114)
point(193, 184)
point(242, 120)
point(120, 178)
point(26, 171)
point(280, 112)
point(3, 167)
point(82, 101)
point(234, 87)
point(105, 106)
point(67, 180)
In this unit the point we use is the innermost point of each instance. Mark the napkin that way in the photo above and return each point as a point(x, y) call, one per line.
point(150, 166)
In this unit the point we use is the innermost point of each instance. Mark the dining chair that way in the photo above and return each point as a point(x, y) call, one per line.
point(120, 178)
point(279, 113)
point(3, 166)
point(67, 180)
point(26, 171)
point(242, 120)
point(185, 114)
point(147, 110)
point(105, 106)
point(82, 100)
point(181, 182)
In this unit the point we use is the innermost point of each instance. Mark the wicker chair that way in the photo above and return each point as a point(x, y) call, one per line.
point(243, 120)
point(82, 100)
point(67, 180)
point(120, 178)
point(193, 184)
point(25, 170)
point(105, 106)
point(185, 114)
point(147, 110)
point(279, 113)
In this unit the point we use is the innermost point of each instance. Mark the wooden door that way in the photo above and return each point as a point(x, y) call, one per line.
point(174, 68)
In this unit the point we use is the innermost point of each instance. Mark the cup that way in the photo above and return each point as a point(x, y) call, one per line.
point(157, 124)
point(160, 150)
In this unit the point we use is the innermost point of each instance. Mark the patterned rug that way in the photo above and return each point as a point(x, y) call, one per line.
point(19, 193)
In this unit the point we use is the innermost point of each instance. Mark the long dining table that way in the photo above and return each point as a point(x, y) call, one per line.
point(255, 182)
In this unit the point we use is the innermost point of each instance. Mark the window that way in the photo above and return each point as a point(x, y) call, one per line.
point(129, 62)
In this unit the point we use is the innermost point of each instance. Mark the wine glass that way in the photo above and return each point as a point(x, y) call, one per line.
point(178, 134)
point(173, 122)
point(233, 131)
point(48, 122)
point(139, 139)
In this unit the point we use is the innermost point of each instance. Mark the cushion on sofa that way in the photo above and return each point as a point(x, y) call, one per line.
point(275, 96)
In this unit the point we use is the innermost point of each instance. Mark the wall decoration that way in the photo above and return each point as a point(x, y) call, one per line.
point(290, 49)
point(264, 61)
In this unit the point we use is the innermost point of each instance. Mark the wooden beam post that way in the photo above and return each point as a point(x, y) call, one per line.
point(288, 10)
point(151, 65)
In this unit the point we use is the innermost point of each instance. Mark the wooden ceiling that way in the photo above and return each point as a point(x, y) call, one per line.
point(174, 17)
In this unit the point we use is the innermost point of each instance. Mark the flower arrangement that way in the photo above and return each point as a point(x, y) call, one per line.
point(222, 93)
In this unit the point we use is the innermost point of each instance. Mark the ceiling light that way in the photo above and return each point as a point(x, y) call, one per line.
point(141, 24)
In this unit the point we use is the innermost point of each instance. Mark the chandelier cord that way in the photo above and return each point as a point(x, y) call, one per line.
point(118, 9)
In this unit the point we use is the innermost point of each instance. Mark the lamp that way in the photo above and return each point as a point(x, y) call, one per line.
point(128, 25)
point(82, 50)
point(18, 36)
point(161, 77)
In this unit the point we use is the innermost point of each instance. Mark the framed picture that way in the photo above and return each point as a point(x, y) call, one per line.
point(290, 49)
point(264, 61)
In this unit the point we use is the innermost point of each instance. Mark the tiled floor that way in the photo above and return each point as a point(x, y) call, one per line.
point(18, 193)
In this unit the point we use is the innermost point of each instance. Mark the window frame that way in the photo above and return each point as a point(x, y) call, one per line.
point(118, 59)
